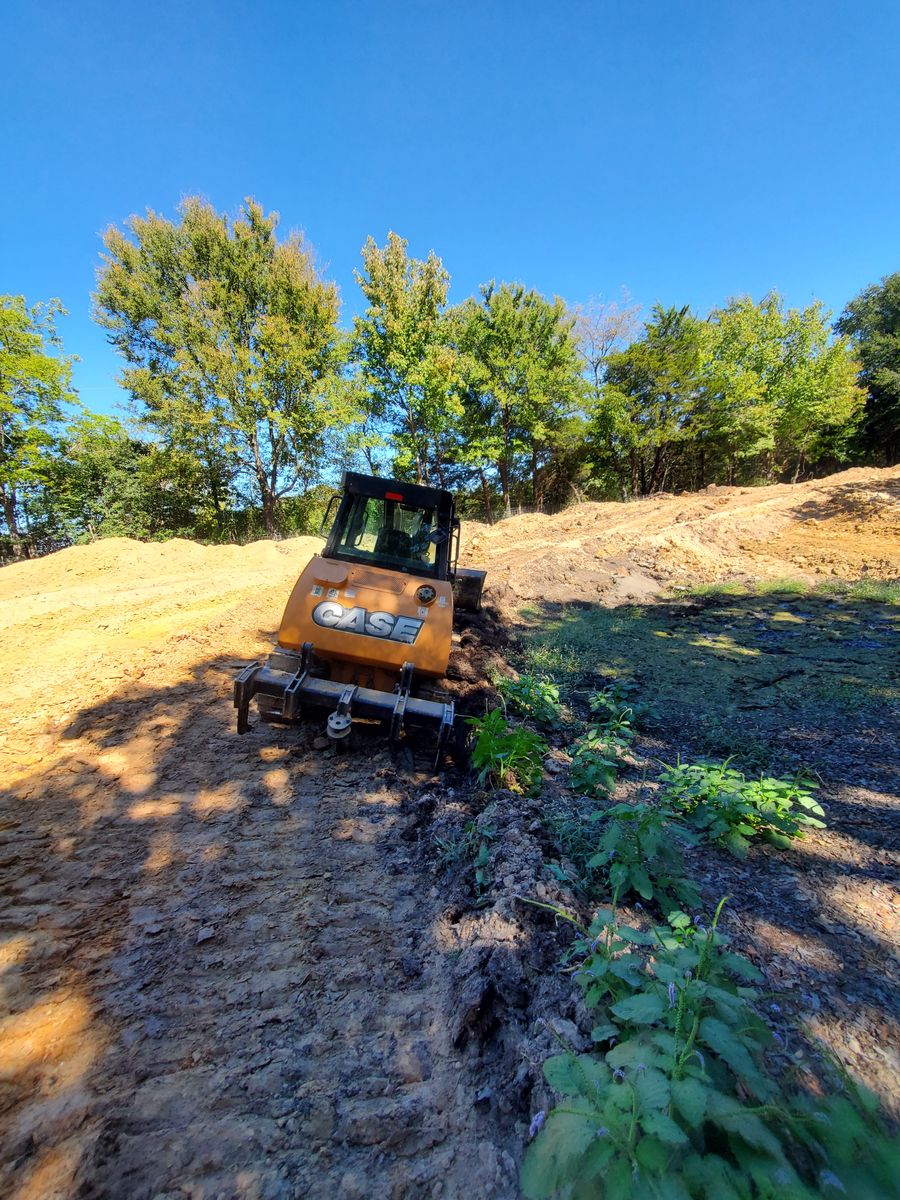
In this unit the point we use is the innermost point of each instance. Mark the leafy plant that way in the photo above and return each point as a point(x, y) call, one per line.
point(639, 852)
point(627, 849)
point(509, 756)
point(469, 847)
point(597, 753)
point(536, 697)
point(618, 703)
point(681, 1104)
point(472, 846)
point(726, 807)
point(593, 770)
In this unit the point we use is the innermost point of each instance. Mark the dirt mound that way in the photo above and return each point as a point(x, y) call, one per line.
point(846, 525)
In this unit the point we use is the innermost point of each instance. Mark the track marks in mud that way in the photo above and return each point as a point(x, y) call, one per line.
point(260, 983)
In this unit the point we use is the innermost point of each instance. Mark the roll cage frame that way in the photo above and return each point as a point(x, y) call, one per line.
point(392, 491)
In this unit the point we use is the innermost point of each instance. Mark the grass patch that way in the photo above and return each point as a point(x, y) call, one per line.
point(884, 591)
point(735, 675)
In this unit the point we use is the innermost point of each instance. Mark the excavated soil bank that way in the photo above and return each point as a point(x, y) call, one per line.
point(847, 525)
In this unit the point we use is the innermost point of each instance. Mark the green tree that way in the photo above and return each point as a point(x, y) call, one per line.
point(108, 483)
point(780, 391)
point(872, 319)
point(232, 346)
point(755, 391)
point(645, 415)
point(521, 383)
point(408, 367)
point(35, 383)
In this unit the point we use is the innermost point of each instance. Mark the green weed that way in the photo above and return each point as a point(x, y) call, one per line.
point(723, 806)
point(594, 768)
point(618, 702)
point(680, 1104)
point(626, 849)
point(535, 697)
point(781, 587)
point(730, 587)
point(885, 591)
point(471, 847)
point(508, 756)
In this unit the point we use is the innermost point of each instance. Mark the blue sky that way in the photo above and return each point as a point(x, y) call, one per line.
point(686, 151)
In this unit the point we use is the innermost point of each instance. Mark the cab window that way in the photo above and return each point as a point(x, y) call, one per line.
point(387, 533)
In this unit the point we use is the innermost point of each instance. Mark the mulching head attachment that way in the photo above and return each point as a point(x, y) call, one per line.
point(285, 686)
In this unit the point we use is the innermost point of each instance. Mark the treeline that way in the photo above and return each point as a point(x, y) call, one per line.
point(246, 397)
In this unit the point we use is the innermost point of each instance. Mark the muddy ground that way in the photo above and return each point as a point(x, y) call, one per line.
point(239, 968)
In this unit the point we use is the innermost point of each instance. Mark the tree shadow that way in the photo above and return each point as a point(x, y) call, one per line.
point(193, 919)
point(779, 683)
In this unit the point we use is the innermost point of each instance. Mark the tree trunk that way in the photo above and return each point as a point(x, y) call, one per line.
point(486, 493)
point(19, 544)
point(655, 472)
point(503, 471)
point(269, 514)
point(536, 494)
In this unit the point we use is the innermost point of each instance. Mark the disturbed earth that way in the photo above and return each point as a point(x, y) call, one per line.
point(246, 968)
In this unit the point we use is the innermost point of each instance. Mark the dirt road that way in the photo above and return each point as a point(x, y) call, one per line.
point(228, 970)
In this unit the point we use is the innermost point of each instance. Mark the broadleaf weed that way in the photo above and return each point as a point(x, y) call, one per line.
point(723, 806)
point(508, 756)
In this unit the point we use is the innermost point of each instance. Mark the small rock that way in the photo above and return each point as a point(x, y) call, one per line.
point(205, 934)
point(153, 1027)
point(321, 743)
point(483, 1099)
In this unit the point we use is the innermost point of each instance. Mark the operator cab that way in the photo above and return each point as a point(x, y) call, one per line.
point(398, 526)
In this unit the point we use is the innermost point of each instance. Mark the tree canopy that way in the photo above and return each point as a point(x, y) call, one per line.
point(246, 397)
point(35, 384)
point(406, 362)
point(754, 392)
point(232, 345)
point(872, 319)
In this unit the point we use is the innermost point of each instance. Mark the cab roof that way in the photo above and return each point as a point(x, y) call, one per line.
point(415, 494)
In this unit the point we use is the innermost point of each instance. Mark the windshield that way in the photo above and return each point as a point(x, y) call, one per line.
point(388, 533)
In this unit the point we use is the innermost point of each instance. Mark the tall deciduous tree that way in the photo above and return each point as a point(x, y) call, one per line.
point(872, 319)
point(780, 388)
point(753, 392)
point(231, 342)
point(408, 367)
point(521, 381)
point(602, 327)
point(647, 409)
point(35, 382)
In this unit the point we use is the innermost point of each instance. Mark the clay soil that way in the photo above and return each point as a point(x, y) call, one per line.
point(240, 968)
point(845, 526)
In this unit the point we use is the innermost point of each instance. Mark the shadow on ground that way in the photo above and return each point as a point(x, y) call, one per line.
point(779, 683)
point(224, 971)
